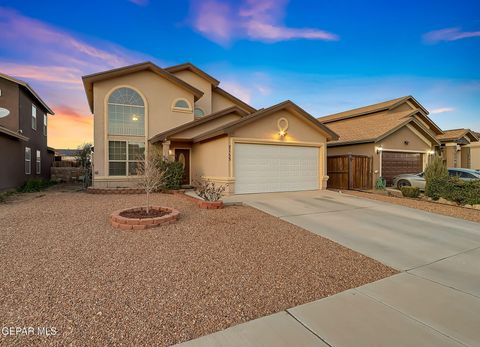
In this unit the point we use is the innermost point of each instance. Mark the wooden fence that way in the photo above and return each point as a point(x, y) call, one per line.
point(349, 172)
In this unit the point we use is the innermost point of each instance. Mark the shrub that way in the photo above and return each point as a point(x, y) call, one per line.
point(410, 192)
point(436, 175)
point(35, 185)
point(4, 195)
point(208, 190)
point(462, 192)
point(172, 173)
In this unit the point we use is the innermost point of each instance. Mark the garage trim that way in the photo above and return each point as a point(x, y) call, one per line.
point(322, 170)
point(381, 150)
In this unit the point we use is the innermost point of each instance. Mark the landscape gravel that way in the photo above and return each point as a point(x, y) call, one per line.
point(433, 207)
point(64, 266)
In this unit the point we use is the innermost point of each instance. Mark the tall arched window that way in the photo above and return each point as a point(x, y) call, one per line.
point(126, 113)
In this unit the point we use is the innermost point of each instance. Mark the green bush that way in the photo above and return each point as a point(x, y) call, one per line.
point(173, 173)
point(4, 195)
point(456, 190)
point(35, 185)
point(436, 175)
point(410, 192)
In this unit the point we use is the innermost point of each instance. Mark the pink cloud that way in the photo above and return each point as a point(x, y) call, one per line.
point(442, 110)
point(449, 34)
point(238, 90)
point(251, 19)
point(55, 74)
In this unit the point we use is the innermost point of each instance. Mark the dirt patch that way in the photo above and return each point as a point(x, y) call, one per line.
point(152, 213)
point(64, 266)
point(446, 210)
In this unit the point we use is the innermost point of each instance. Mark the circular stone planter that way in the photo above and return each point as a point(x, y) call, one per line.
point(125, 223)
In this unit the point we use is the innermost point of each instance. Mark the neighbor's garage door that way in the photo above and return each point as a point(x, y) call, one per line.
point(396, 163)
point(275, 168)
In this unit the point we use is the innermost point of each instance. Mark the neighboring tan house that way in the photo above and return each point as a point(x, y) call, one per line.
point(457, 147)
point(397, 135)
point(23, 134)
point(475, 153)
point(183, 111)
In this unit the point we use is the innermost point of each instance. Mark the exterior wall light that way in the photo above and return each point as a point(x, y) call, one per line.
point(282, 125)
point(379, 149)
point(170, 152)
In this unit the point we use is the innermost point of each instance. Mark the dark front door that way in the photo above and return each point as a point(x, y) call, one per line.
point(397, 163)
point(183, 156)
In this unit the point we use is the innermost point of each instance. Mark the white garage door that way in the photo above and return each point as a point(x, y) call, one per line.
point(275, 168)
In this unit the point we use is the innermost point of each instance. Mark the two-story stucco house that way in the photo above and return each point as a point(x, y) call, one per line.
point(23, 134)
point(183, 111)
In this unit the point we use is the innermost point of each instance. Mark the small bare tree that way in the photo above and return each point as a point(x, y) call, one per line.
point(150, 177)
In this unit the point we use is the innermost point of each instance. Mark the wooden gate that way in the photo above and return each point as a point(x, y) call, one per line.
point(349, 172)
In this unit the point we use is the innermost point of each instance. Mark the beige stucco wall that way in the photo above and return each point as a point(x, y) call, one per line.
point(210, 159)
point(159, 95)
point(475, 155)
point(219, 102)
point(205, 102)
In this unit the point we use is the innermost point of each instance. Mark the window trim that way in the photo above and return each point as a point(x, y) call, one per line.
point(38, 163)
point(182, 109)
point(127, 160)
point(28, 160)
point(45, 123)
point(34, 117)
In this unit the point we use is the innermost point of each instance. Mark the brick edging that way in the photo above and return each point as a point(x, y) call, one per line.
point(210, 205)
point(92, 190)
point(125, 223)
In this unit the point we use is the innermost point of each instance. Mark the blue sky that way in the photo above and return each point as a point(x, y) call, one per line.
point(327, 56)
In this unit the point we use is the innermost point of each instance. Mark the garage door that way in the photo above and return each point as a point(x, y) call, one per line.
point(275, 168)
point(396, 163)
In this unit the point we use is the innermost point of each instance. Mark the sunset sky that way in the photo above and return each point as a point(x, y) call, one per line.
point(327, 56)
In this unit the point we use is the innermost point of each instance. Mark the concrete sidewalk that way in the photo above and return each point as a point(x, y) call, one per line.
point(435, 301)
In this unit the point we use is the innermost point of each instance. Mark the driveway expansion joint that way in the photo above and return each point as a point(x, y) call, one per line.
point(408, 316)
point(307, 328)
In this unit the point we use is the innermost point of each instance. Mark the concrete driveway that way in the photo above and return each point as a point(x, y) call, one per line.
point(434, 301)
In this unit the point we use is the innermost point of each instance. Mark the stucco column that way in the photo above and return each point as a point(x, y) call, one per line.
point(165, 149)
point(323, 173)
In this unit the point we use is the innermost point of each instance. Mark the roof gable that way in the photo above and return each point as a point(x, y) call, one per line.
point(195, 70)
point(457, 134)
point(234, 99)
point(89, 80)
point(285, 105)
point(30, 90)
point(169, 133)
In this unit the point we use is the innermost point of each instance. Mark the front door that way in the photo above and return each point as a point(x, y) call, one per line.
point(183, 156)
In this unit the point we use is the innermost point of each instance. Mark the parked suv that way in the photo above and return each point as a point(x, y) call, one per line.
point(418, 180)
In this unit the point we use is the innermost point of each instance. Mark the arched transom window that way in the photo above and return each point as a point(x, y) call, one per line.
point(182, 105)
point(126, 113)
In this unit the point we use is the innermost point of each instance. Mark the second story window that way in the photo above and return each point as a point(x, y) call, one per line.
point(182, 105)
point(199, 112)
point(34, 117)
point(45, 124)
point(126, 113)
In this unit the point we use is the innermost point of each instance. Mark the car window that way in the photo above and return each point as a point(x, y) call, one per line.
point(466, 175)
point(453, 173)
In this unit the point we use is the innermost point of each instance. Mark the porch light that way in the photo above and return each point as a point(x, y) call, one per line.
point(431, 152)
point(378, 149)
point(282, 133)
point(134, 117)
point(170, 152)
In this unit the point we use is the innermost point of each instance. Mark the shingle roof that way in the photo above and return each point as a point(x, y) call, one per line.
point(455, 134)
point(362, 110)
point(369, 127)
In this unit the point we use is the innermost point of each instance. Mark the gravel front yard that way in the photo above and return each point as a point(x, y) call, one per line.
point(447, 210)
point(63, 266)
